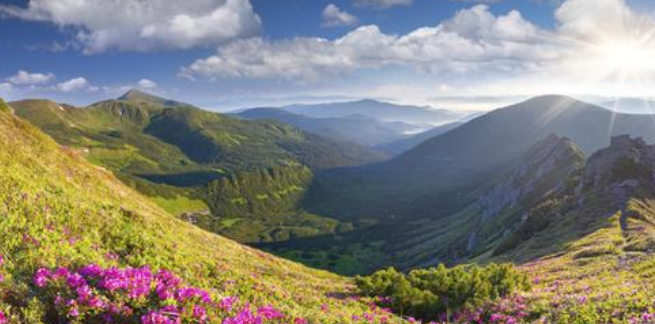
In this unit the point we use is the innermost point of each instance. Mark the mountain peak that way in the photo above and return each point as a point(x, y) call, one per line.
point(141, 97)
point(626, 158)
point(136, 94)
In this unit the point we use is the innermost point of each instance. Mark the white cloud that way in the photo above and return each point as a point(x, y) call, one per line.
point(584, 19)
point(73, 85)
point(27, 78)
point(472, 39)
point(144, 25)
point(595, 45)
point(6, 87)
point(147, 84)
point(382, 4)
point(335, 17)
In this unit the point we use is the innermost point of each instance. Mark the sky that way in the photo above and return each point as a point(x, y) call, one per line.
point(227, 54)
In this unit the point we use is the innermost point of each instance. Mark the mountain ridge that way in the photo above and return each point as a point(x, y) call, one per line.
point(177, 154)
point(61, 211)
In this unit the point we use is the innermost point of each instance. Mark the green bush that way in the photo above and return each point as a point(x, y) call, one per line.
point(439, 292)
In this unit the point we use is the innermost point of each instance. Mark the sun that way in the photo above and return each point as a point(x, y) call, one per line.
point(629, 57)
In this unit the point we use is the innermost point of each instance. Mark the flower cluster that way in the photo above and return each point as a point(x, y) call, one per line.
point(139, 295)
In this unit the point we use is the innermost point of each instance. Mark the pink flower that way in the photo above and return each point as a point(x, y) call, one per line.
point(227, 303)
point(270, 313)
point(41, 277)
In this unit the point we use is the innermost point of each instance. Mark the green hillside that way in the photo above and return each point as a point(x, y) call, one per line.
point(60, 211)
point(181, 156)
point(583, 234)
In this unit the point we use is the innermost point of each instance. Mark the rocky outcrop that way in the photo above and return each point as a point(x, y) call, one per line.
point(542, 169)
point(620, 169)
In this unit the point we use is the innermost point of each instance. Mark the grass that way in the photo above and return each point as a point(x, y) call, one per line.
point(59, 210)
point(181, 204)
point(156, 145)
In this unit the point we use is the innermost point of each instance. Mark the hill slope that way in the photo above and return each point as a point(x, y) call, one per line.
point(178, 155)
point(59, 210)
point(406, 144)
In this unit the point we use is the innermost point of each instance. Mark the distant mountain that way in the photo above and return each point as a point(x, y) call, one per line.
point(406, 144)
point(630, 105)
point(432, 179)
point(358, 129)
point(205, 165)
point(383, 111)
point(487, 137)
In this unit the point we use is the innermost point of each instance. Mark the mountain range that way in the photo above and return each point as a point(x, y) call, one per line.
point(359, 129)
point(305, 196)
point(575, 212)
point(240, 178)
point(456, 161)
point(382, 111)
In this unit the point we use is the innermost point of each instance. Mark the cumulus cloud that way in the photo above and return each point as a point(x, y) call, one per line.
point(382, 4)
point(592, 40)
point(472, 38)
point(581, 19)
point(73, 85)
point(147, 84)
point(27, 78)
point(144, 25)
point(335, 17)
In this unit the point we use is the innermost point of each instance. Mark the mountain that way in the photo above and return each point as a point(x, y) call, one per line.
point(353, 128)
point(590, 126)
point(630, 105)
point(60, 212)
point(406, 144)
point(140, 97)
point(180, 156)
point(433, 178)
point(383, 111)
point(549, 167)
point(582, 229)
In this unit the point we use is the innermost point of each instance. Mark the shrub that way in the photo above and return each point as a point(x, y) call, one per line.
point(437, 293)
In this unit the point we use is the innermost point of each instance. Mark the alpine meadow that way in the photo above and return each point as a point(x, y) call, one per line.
point(327, 162)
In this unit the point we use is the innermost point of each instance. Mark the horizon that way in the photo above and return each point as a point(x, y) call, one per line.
point(607, 103)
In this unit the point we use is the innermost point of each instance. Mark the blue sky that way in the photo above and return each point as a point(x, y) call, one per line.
point(224, 54)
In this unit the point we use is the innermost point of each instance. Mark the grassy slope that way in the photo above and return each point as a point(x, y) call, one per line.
point(148, 141)
point(57, 209)
point(595, 273)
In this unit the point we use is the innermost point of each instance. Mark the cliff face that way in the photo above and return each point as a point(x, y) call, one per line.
point(541, 170)
point(621, 168)
point(546, 169)
point(614, 193)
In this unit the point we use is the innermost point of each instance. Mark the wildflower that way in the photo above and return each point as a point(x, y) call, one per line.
point(200, 313)
point(74, 312)
point(41, 277)
point(269, 313)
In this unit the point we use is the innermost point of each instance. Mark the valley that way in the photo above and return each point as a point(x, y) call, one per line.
point(559, 210)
